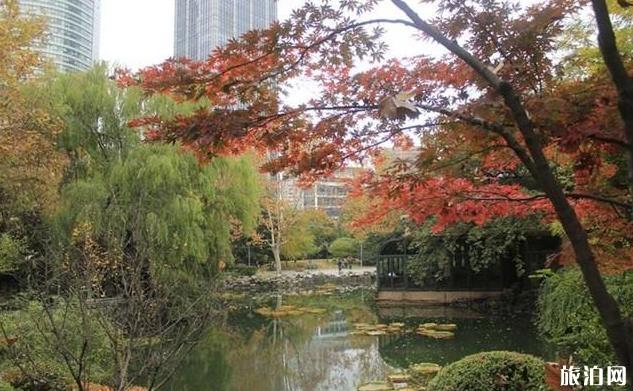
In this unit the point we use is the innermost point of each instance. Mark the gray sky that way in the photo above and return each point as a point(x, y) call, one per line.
point(138, 33)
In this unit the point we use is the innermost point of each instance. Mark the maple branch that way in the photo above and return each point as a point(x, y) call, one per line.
point(449, 44)
point(468, 157)
point(611, 140)
point(307, 49)
point(500, 129)
point(572, 195)
point(391, 135)
point(599, 198)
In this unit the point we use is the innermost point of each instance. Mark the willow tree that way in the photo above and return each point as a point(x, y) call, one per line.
point(144, 225)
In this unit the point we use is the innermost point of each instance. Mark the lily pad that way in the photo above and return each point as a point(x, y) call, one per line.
point(399, 378)
point(446, 327)
point(376, 386)
point(425, 368)
point(436, 334)
point(376, 333)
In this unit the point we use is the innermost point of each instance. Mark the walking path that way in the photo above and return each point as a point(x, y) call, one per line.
point(356, 271)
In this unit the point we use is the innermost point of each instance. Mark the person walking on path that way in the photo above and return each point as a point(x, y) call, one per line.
point(339, 263)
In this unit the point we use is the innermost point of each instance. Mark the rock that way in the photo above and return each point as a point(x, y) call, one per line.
point(446, 327)
point(376, 386)
point(436, 334)
point(314, 311)
point(264, 311)
point(425, 368)
point(399, 378)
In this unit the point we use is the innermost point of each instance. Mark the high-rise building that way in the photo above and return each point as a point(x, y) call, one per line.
point(73, 31)
point(203, 25)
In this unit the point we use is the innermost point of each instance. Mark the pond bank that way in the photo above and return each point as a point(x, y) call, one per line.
point(296, 282)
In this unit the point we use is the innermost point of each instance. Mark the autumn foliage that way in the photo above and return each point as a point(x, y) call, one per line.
point(460, 174)
point(508, 122)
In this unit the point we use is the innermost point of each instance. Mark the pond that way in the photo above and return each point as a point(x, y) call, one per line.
point(320, 352)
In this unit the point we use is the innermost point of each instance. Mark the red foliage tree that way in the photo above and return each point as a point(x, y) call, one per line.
point(502, 131)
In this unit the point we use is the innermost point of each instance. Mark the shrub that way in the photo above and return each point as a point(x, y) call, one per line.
point(42, 377)
point(344, 247)
point(4, 386)
point(38, 345)
point(11, 254)
point(242, 270)
point(491, 371)
point(568, 317)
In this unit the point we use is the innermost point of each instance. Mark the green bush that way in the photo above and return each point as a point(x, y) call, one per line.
point(11, 254)
point(242, 270)
point(40, 377)
point(492, 371)
point(4, 386)
point(344, 247)
point(568, 318)
point(40, 341)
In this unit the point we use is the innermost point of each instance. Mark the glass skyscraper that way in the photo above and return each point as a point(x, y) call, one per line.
point(203, 25)
point(73, 31)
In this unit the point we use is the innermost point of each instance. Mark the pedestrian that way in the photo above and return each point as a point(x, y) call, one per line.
point(339, 263)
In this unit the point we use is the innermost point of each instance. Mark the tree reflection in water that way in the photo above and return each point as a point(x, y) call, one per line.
point(317, 352)
point(306, 353)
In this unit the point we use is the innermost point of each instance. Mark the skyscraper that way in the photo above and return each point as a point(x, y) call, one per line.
point(73, 27)
point(203, 25)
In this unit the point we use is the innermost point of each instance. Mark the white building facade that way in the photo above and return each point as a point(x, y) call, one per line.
point(72, 42)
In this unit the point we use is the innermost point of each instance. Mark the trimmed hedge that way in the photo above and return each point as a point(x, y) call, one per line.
point(492, 371)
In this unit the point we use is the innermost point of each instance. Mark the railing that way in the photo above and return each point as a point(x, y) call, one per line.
point(391, 272)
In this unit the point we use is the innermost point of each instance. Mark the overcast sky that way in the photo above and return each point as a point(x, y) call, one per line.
point(138, 33)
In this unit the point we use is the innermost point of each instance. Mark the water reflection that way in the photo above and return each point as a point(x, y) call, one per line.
point(317, 352)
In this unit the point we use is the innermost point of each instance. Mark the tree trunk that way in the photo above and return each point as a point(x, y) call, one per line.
point(622, 81)
point(619, 330)
point(277, 256)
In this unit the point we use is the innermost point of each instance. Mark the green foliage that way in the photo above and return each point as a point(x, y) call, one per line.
point(11, 253)
point(242, 270)
point(95, 113)
point(484, 246)
point(300, 239)
point(568, 317)
point(492, 371)
point(4, 386)
point(47, 337)
point(160, 205)
point(323, 228)
point(344, 247)
point(41, 377)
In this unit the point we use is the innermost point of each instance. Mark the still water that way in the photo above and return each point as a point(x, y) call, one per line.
point(316, 352)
